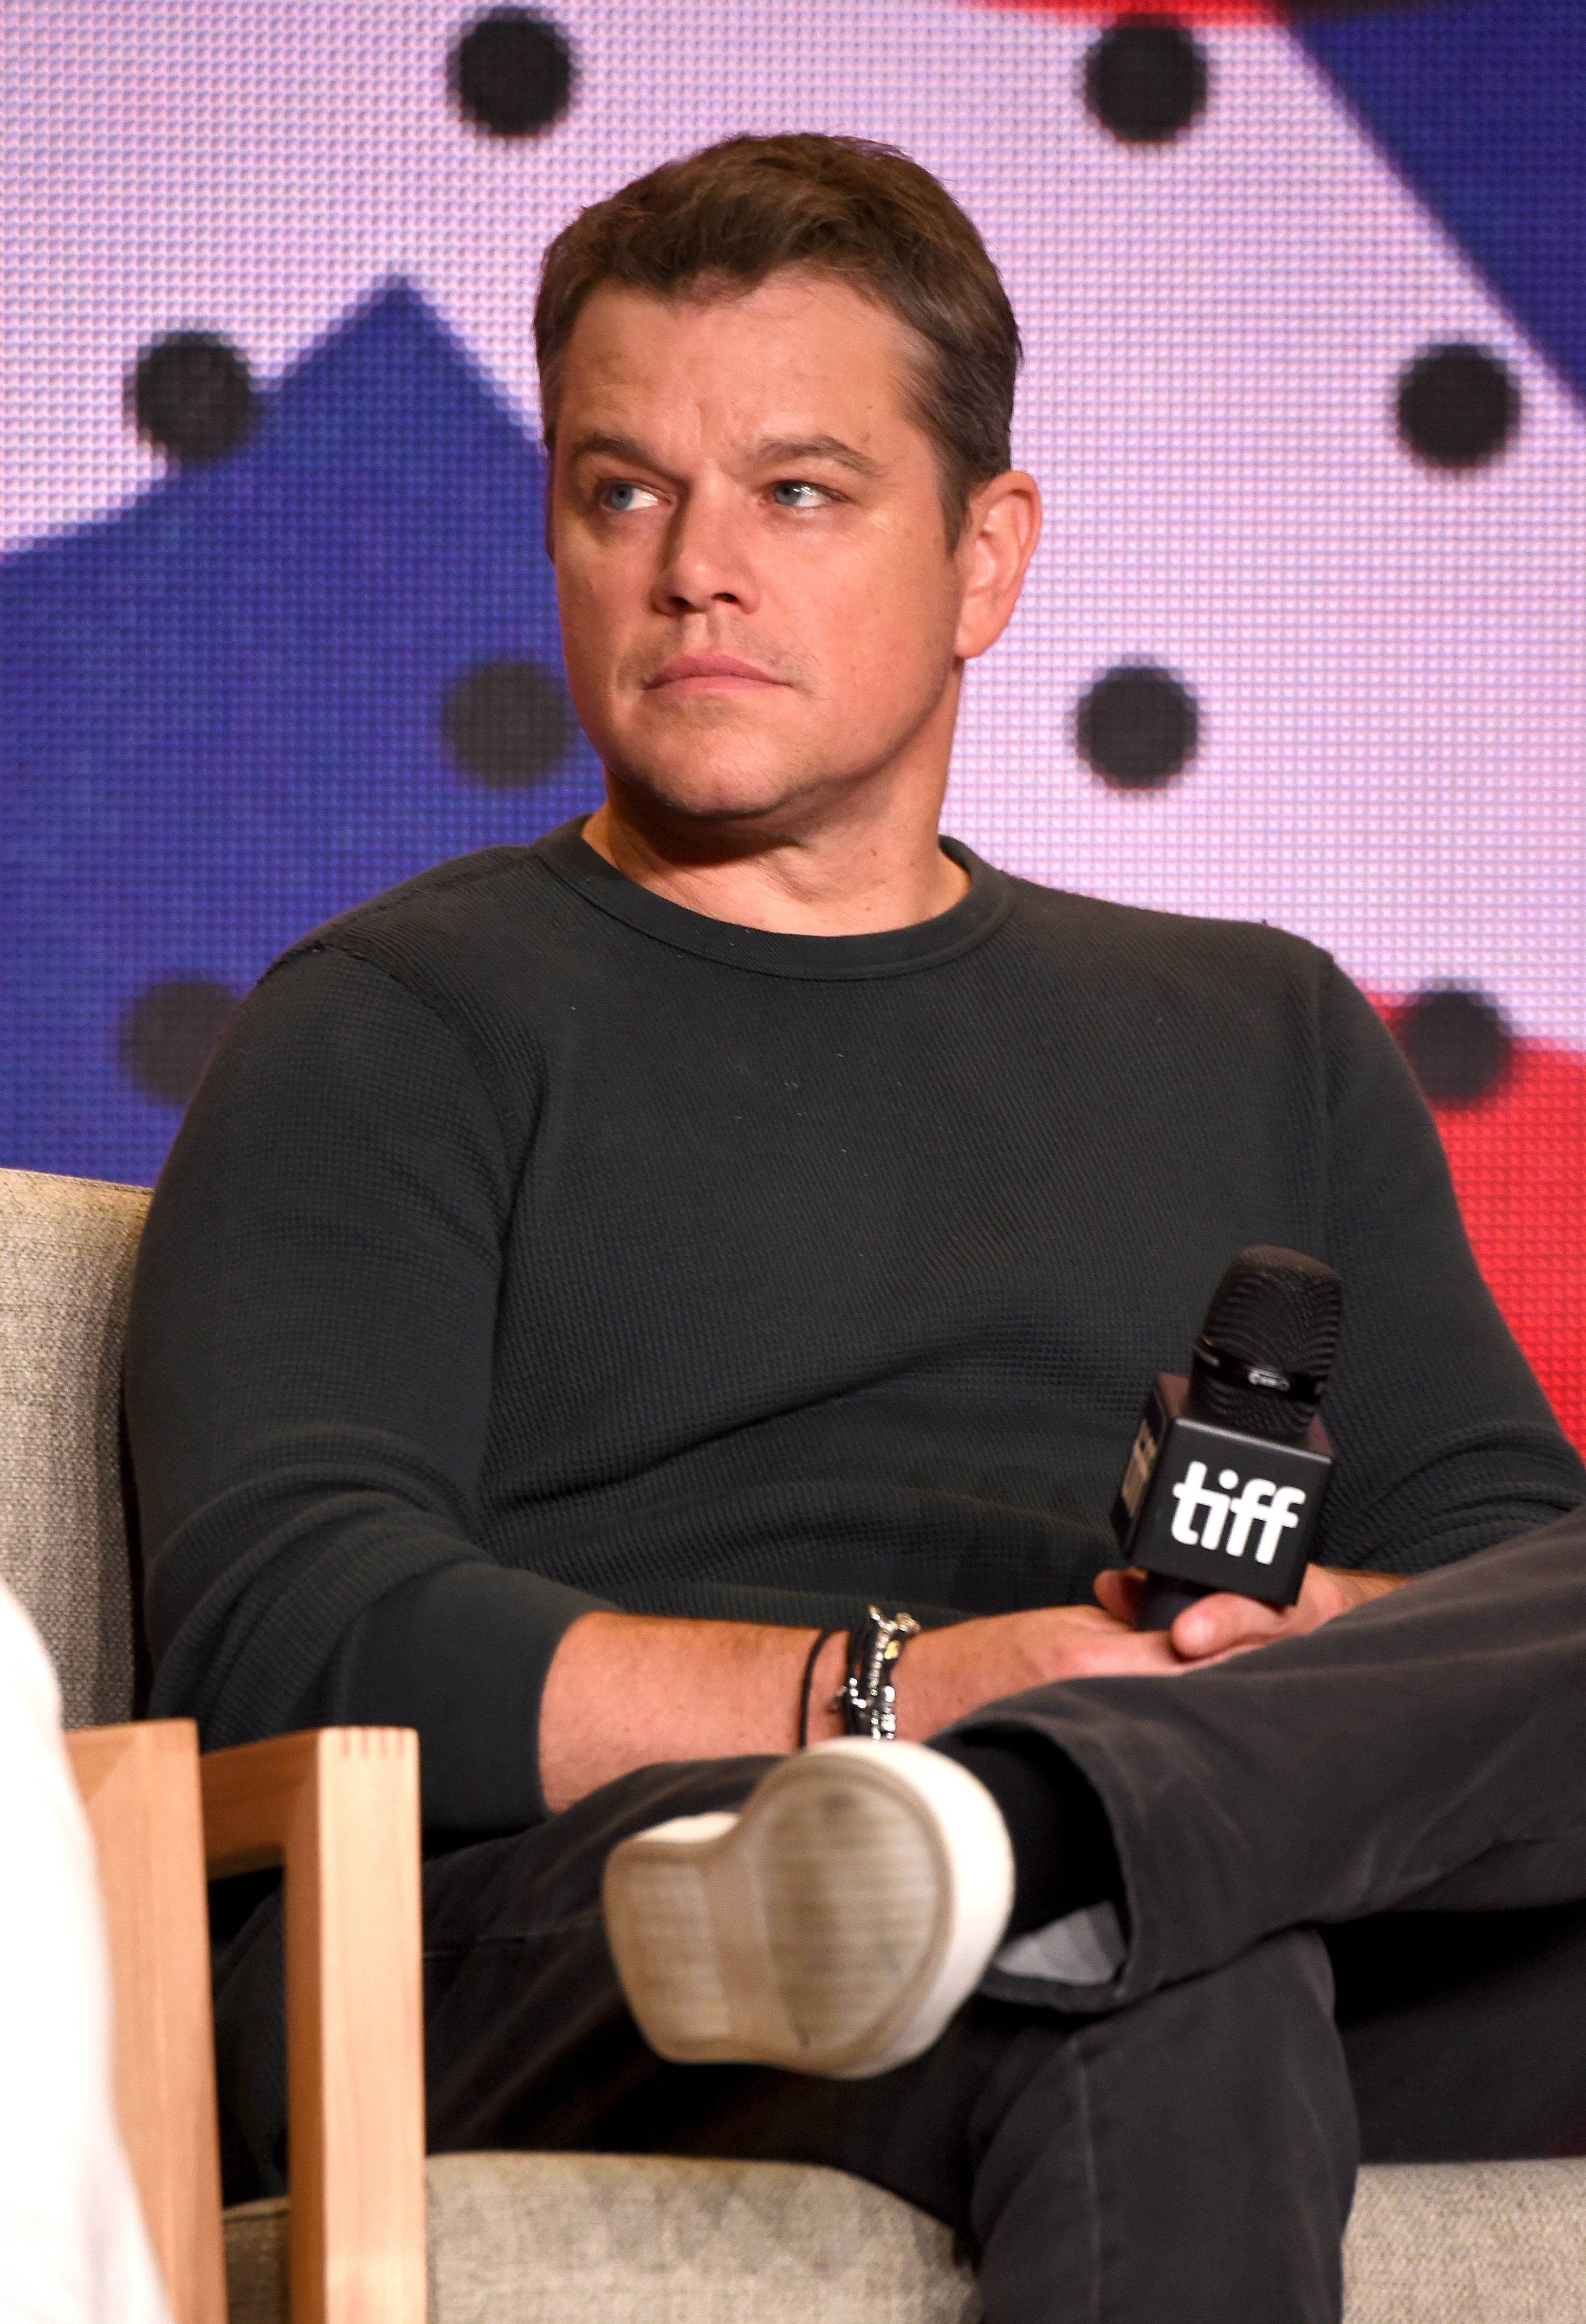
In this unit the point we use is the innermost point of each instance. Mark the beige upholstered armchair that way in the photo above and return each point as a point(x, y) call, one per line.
point(369, 2233)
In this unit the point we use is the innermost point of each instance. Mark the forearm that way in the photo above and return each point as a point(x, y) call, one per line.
point(627, 1690)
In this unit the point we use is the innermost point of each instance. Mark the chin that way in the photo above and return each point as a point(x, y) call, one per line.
point(739, 790)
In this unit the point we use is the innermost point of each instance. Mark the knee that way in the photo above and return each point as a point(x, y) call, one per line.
point(1208, 2128)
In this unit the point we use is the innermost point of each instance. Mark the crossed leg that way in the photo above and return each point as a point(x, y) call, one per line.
point(1190, 2156)
point(1178, 2139)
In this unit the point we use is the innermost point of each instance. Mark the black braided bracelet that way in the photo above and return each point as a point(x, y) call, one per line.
point(803, 1692)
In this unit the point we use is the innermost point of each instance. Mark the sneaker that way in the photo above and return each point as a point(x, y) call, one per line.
point(833, 1926)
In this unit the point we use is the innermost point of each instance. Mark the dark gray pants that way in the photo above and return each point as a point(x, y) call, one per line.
point(1398, 1800)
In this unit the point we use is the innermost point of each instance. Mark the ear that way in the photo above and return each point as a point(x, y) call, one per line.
point(1002, 526)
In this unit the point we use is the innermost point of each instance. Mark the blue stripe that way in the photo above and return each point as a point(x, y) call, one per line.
point(1480, 105)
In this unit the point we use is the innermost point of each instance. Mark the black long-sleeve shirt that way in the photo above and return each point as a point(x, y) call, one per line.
point(534, 1244)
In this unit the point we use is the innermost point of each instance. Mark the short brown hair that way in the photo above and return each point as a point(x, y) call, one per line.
point(738, 211)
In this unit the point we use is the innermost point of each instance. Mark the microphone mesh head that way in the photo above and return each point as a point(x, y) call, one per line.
point(1279, 1310)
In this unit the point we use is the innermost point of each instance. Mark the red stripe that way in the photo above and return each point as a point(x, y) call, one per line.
point(1519, 1162)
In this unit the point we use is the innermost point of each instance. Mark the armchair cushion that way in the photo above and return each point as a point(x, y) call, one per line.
point(628, 2239)
point(67, 1248)
point(623, 2239)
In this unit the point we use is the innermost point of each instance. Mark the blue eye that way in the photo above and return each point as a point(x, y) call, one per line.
point(783, 494)
point(621, 495)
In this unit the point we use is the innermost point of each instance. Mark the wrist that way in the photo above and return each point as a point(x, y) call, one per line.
point(927, 1698)
point(869, 1694)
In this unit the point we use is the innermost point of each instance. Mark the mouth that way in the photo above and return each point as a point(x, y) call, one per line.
point(709, 673)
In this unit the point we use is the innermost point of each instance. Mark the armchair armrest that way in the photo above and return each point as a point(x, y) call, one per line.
point(139, 1787)
point(339, 1808)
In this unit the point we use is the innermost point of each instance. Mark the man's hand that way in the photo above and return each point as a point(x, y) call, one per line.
point(1226, 1624)
point(947, 1673)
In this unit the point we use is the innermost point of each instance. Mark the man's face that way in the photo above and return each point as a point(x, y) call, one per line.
point(760, 604)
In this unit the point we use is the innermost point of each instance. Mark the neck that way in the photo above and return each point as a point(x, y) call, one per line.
point(853, 876)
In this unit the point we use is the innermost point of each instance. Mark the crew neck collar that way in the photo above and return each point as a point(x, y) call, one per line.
point(769, 951)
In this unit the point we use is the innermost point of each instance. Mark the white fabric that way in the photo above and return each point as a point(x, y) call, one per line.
point(1084, 1948)
point(73, 2249)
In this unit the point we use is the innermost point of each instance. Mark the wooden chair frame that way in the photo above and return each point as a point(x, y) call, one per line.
point(339, 1809)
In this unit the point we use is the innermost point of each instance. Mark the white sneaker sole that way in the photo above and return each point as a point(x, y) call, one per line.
point(832, 1927)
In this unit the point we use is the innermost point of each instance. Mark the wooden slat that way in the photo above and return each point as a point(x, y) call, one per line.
point(340, 1808)
point(139, 1785)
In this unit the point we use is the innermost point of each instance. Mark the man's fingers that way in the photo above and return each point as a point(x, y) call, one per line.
point(1125, 1654)
point(1215, 1626)
point(1228, 1623)
point(1119, 1590)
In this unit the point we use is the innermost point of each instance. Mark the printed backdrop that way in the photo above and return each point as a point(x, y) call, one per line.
point(1303, 292)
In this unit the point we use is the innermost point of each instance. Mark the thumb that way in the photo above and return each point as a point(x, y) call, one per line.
point(1214, 1625)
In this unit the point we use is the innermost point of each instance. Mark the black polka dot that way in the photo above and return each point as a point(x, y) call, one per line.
point(1457, 1043)
point(507, 723)
point(1136, 727)
point(1146, 79)
point(511, 73)
point(167, 1035)
point(192, 395)
point(1458, 406)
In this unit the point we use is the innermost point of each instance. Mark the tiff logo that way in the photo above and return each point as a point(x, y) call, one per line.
point(1275, 1507)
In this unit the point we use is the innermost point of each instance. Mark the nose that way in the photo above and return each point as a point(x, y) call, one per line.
point(707, 558)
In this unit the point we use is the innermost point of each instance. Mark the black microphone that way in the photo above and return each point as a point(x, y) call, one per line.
point(1226, 1479)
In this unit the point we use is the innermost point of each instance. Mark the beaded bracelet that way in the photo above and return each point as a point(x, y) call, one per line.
point(867, 1698)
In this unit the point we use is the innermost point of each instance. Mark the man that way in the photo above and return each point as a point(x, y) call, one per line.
point(593, 1274)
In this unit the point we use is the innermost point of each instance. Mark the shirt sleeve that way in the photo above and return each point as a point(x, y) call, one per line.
point(1445, 1442)
point(308, 1380)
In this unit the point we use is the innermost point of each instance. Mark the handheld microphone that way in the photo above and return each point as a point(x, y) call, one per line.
point(1226, 1479)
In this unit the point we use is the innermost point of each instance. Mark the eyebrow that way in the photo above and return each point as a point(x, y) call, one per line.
point(614, 447)
point(795, 449)
point(775, 451)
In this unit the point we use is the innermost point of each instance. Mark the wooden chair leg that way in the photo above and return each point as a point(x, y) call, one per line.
point(140, 1786)
point(339, 1807)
